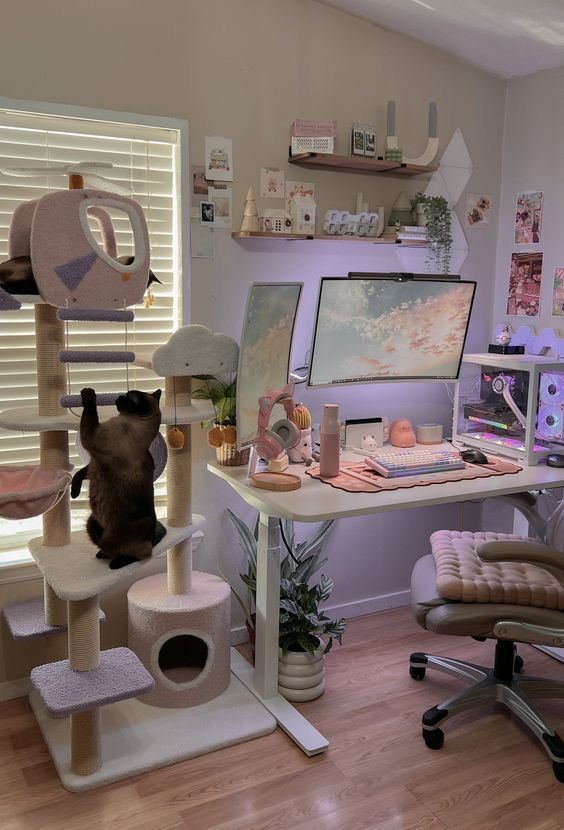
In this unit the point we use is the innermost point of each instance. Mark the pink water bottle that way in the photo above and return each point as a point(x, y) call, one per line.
point(329, 443)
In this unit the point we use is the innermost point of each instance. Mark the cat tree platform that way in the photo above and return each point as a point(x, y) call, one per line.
point(136, 738)
point(119, 675)
point(74, 573)
point(26, 418)
point(26, 620)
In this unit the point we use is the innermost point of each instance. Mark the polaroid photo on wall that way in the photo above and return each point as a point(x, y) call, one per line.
point(207, 213)
point(199, 184)
point(221, 198)
point(202, 239)
point(357, 140)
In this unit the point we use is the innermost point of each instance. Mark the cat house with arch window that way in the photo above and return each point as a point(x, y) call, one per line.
point(169, 695)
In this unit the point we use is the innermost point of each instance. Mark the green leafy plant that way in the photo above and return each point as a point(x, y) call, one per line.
point(298, 610)
point(439, 233)
point(223, 396)
point(303, 627)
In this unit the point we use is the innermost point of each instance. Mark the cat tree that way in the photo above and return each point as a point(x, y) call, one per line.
point(178, 621)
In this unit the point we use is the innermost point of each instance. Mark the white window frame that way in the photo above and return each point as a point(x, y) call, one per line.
point(18, 564)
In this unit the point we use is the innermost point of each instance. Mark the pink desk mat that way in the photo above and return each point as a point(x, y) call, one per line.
point(495, 467)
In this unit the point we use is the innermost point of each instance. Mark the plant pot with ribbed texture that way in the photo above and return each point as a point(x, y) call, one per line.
point(301, 675)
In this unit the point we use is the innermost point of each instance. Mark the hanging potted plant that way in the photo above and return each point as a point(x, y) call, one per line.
point(306, 634)
point(439, 233)
point(222, 432)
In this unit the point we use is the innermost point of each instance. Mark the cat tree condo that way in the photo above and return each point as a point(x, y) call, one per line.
point(179, 622)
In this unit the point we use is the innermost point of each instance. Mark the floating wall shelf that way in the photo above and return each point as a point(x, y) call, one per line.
point(365, 240)
point(361, 164)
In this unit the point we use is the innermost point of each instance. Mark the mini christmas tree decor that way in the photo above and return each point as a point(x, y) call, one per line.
point(250, 215)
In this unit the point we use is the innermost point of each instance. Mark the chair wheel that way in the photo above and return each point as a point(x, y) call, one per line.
point(558, 771)
point(519, 664)
point(434, 739)
point(417, 672)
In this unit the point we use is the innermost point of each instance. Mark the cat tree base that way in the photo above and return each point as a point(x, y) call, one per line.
point(137, 738)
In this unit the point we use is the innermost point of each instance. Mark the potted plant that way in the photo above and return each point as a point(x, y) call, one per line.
point(223, 432)
point(306, 634)
point(439, 235)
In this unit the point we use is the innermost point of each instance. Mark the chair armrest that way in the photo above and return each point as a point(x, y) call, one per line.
point(528, 550)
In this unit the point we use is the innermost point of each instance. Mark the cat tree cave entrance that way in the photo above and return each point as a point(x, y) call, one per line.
point(183, 657)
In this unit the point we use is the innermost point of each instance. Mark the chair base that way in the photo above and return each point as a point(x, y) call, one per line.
point(502, 684)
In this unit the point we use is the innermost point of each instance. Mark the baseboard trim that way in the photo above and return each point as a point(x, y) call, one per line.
point(11, 689)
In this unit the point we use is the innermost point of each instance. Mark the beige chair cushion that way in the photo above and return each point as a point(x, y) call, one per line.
point(462, 576)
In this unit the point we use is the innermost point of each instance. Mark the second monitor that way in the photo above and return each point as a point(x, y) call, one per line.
point(389, 327)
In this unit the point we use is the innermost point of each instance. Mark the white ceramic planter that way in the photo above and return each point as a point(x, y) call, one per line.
point(301, 676)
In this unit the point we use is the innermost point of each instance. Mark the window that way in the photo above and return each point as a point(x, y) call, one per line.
point(145, 160)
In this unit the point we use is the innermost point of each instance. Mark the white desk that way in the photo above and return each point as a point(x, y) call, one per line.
point(316, 501)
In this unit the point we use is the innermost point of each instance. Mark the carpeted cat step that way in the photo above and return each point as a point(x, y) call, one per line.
point(118, 676)
point(96, 315)
point(26, 620)
point(89, 356)
point(102, 399)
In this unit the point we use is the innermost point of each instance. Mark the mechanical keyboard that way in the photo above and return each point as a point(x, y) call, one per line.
point(393, 464)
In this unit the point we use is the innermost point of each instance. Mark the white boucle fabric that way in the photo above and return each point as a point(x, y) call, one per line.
point(196, 350)
point(462, 576)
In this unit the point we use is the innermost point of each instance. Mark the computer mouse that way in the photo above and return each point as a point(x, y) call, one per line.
point(474, 456)
point(555, 460)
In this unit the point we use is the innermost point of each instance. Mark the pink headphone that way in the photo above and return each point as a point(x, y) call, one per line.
point(285, 433)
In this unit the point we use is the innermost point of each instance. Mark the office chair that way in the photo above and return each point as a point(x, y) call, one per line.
point(494, 586)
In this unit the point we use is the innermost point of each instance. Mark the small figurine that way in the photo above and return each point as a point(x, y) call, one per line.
point(303, 451)
point(402, 434)
point(503, 337)
point(368, 442)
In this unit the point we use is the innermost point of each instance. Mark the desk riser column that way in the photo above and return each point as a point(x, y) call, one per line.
point(267, 606)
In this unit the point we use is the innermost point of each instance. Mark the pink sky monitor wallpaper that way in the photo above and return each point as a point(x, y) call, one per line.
point(387, 329)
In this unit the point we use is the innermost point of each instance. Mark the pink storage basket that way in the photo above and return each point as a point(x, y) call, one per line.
point(30, 491)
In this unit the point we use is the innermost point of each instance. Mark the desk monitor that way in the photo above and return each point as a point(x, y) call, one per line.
point(264, 355)
point(389, 327)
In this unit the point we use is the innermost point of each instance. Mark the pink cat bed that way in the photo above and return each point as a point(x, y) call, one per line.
point(30, 491)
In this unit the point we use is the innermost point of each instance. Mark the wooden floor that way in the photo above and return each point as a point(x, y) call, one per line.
point(376, 775)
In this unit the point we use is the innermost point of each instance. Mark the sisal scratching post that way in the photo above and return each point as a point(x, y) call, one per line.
point(86, 748)
point(50, 340)
point(84, 634)
point(179, 490)
point(55, 607)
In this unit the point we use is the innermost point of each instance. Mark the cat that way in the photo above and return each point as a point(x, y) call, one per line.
point(123, 523)
point(16, 275)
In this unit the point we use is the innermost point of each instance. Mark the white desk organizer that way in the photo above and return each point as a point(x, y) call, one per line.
point(483, 416)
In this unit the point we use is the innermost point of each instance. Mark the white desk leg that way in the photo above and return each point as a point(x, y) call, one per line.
point(263, 681)
point(268, 607)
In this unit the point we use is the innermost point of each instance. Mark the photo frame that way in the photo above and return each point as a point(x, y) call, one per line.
point(357, 140)
point(207, 213)
point(366, 433)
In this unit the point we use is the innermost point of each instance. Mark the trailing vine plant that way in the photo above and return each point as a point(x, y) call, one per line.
point(439, 235)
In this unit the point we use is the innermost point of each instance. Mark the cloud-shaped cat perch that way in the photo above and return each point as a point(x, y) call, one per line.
point(193, 350)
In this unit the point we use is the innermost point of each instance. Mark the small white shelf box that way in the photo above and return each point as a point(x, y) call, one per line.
point(483, 418)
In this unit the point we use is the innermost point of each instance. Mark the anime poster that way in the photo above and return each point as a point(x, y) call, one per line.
point(528, 217)
point(525, 274)
point(558, 293)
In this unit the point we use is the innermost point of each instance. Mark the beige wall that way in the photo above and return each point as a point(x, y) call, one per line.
point(533, 160)
point(245, 69)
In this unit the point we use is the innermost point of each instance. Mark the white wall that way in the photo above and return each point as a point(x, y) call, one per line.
point(245, 69)
point(533, 160)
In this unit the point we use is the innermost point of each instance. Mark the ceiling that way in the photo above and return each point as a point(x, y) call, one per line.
point(506, 37)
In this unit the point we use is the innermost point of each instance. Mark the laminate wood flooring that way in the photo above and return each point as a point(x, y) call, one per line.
point(377, 774)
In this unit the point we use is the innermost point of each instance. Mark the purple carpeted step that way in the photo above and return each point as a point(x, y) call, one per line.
point(119, 675)
point(102, 399)
point(74, 356)
point(26, 620)
point(101, 315)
